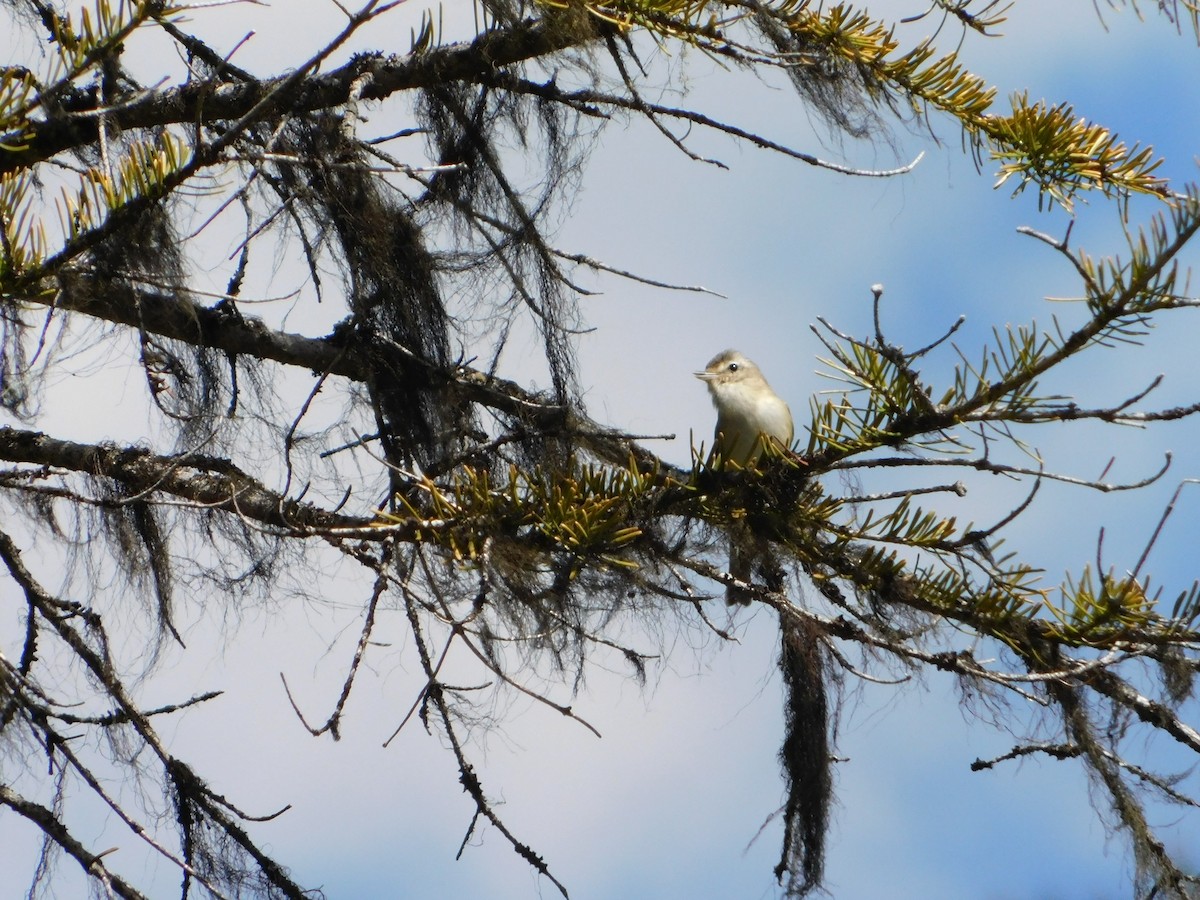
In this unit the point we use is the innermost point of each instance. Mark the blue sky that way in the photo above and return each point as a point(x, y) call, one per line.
point(668, 803)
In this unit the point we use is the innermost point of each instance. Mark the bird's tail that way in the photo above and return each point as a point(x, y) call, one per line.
point(750, 557)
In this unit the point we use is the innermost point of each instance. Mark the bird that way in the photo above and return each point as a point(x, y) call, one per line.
point(749, 415)
point(749, 412)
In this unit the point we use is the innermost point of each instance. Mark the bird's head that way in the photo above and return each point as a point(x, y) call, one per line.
point(728, 369)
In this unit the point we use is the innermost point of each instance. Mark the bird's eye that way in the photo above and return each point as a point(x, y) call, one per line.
point(733, 367)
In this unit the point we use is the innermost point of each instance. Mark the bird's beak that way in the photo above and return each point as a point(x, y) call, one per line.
point(704, 376)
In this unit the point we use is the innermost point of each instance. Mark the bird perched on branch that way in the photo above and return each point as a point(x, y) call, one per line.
point(749, 416)
point(748, 410)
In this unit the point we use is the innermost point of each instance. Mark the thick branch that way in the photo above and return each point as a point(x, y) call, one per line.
point(216, 100)
point(206, 481)
point(175, 316)
point(180, 318)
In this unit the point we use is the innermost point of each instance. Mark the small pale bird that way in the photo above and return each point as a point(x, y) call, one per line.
point(749, 413)
point(747, 408)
